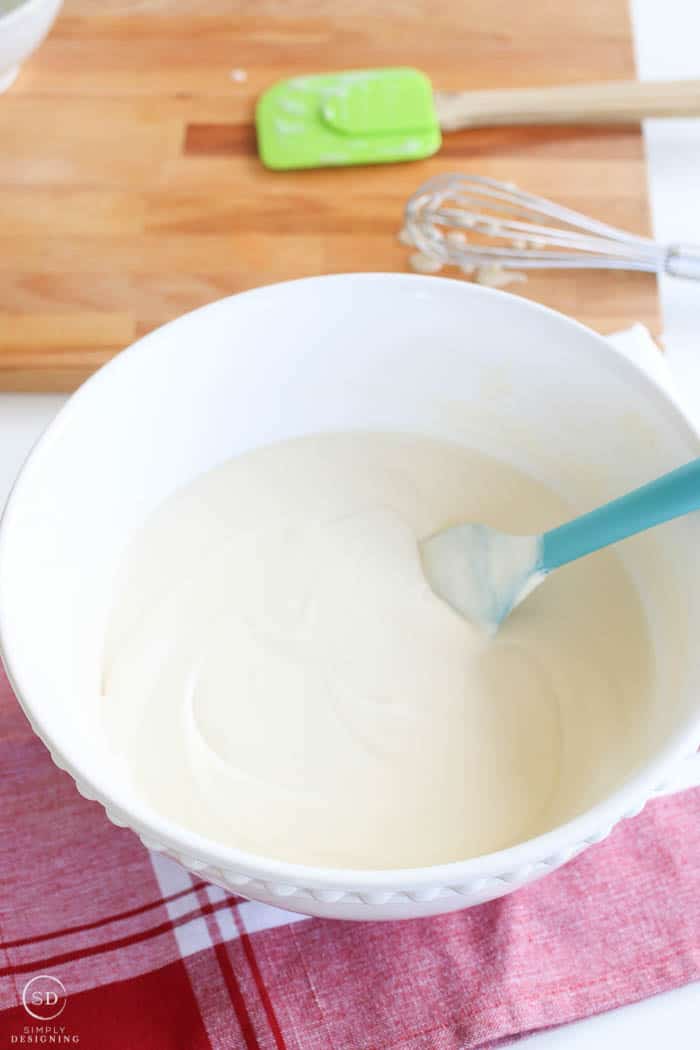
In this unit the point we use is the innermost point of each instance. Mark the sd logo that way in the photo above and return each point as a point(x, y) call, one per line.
point(44, 997)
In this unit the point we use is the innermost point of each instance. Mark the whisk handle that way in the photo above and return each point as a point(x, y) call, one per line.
point(618, 102)
point(683, 260)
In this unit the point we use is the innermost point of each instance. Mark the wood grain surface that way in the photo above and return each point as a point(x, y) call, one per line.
point(130, 189)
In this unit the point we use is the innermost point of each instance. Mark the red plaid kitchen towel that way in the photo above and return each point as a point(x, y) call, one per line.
point(113, 948)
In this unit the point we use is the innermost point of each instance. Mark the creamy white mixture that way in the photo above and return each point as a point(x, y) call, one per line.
point(279, 676)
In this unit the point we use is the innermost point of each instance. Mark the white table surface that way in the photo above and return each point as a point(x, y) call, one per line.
point(667, 34)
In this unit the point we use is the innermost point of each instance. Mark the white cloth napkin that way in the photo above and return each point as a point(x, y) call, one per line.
point(636, 345)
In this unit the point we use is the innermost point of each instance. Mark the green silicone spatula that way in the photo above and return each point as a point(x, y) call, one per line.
point(380, 116)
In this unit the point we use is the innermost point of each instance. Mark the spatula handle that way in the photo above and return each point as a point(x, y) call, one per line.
point(618, 102)
point(668, 497)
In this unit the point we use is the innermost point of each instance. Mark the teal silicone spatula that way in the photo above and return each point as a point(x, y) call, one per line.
point(484, 573)
point(376, 116)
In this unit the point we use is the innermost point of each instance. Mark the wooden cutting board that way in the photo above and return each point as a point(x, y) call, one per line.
point(130, 190)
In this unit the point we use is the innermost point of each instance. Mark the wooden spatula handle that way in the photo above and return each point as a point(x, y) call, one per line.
point(614, 103)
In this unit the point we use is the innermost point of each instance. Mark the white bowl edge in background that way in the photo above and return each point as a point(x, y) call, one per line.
point(22, 30)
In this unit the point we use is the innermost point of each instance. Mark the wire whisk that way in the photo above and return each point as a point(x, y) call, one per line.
point(489, 228)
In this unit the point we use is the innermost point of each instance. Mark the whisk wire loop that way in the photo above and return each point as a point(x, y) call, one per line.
point(472, 221)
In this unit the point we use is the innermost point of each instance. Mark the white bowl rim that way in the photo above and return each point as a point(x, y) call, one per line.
point(16, 13)
point(165, 834)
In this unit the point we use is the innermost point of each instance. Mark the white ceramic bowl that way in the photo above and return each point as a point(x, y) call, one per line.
point(358, 351)
point(22, 29)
